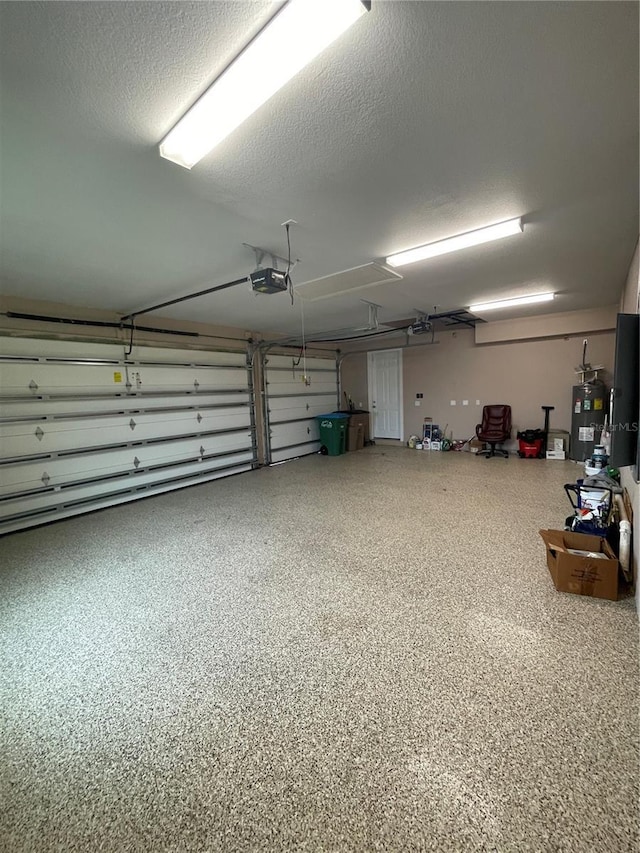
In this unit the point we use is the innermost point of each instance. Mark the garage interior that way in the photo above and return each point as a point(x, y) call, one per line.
point(216, 635)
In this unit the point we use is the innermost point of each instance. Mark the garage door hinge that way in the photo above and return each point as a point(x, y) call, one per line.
point(136, 461)
point(33, 385)
point(39, 433)
point(45, 478)
point(132, 423)
point(196, 384)
point(201, 451)
point(199, 418)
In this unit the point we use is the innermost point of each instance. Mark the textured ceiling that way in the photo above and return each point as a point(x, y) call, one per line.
point(424, 120)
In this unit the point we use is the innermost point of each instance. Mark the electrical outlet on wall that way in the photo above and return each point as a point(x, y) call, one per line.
point(465, 402)
point(453, 402)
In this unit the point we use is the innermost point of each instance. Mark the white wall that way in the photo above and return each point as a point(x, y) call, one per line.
point(526, 374)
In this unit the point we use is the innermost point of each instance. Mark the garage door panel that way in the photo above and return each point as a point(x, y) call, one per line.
point(151, 378)
point(75, 432)
point(293, 452)
point(87, 493)
point(292, 408)
point(52, 378)
point(58, 408)
point(41, 474)
point(22, 520)
point(292, 405)
point(283, 435)
point(291, 388)
point(164, 355)
point(55, 436)
point(328, 401)
point(282, 362)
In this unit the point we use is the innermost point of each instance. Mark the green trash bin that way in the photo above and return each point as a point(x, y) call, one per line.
point(333, 433)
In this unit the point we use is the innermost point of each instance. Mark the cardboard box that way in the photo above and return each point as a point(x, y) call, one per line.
point(475, 445)
point(355, 437)
point(556, 454)
point(361, 419)
point(593, 572)
point(558, 439)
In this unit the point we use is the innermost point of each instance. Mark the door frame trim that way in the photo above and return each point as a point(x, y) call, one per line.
point(370, 354)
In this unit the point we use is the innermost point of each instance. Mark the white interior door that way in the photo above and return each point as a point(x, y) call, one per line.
point(385, 393)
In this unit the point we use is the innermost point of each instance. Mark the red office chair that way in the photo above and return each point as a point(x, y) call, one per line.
point(494, 429)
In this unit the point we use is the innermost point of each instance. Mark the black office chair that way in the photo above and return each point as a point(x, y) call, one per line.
point(494, 429)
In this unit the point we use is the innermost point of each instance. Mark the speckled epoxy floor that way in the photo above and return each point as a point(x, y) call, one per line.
point(355, 654)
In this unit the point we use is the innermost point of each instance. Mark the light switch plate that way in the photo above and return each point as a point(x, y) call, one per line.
point(465, 402)
point(453, 402)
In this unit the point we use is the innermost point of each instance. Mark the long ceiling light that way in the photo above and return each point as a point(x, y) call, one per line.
point(299, 31)
point(508, 303)
point(454, 244)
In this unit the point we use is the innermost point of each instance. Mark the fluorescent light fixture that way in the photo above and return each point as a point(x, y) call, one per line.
point(298, 32)
point(508, 303)
point(454, 244)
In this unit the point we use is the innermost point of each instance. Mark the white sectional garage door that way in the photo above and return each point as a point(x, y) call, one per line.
point(292, 405)
point(82, 427)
